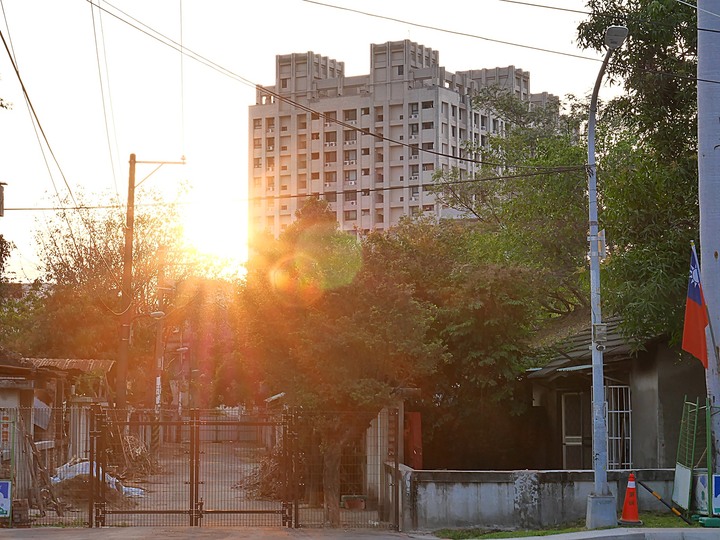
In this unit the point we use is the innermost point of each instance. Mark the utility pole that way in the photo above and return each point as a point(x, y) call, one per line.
point(126, 312)
point(708, 99)
point(125, 307)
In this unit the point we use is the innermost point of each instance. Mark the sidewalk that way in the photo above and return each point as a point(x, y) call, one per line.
point(199, 533)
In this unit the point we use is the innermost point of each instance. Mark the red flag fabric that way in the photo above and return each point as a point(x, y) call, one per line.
point(696, 319)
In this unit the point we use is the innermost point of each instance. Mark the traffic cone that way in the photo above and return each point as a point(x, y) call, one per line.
point(630, 507)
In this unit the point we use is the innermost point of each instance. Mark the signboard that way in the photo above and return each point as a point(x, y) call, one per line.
point(682, 486)
point(716, 494)
point(5, 498)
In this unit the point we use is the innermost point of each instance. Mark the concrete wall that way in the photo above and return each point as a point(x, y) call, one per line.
point(432, 500)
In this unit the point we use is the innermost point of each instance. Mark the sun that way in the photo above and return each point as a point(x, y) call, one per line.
point(217, 228)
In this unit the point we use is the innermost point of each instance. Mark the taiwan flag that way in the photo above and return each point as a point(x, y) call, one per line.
point(696, 318)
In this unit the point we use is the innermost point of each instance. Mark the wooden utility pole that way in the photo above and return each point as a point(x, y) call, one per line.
point(126, 305)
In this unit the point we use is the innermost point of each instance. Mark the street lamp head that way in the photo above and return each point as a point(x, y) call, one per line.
point(615, 36)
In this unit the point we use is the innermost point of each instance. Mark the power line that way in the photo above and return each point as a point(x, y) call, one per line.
point(464, 34)
point(546, 7)
point(556, 170)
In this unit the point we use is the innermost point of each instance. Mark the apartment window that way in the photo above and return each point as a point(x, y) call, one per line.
point(427, 207)
point(453, 131)
point(270, 144)
point(350, 176)
point(476, 118)
point(413, 108)
point(302, 124)
point(257, 182)
point(330, 157)
point(302, 184)
point(413, 129)
point(414, 169)
point(444, 108)
point(365, 172)
point(257, 162)
point(315, 176)
point(365, 151)
point(257, 123)
point(283, 187)
point(350, 196)
point(283, 83)
point(453, 111)
point(428, 146)
point(428, 104)
point(315, 116)
point(350, 135)
point(257, 143)
point(349, 115)
point(401, 70)
point(427, 125)
point(315, 136)
point(270, 124)
point(350, 155)
point(330, 177)
point(331, 196)
point(350, 215)
point(483, 122)
point(495, 124)
point(365, 111)
point(331, 136)
point(414, 149)
point(428, 167)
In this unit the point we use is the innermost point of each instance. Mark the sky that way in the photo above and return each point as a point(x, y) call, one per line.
point(103, 89)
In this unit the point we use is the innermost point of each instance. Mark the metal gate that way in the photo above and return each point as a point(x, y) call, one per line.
point(201, 470)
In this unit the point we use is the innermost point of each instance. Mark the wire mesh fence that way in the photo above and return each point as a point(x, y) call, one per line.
point(218, 468)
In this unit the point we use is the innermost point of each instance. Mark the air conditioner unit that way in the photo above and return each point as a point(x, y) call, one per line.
point(346, 162)
point(328, 184)
point(270, 148)
point(413, 157)
point(349, 142)
point(353, 203)
point(414, 198)
point(352, 162)
point(414, 177)
point(352, 122)
point(352, 182)
point(413, 137)
point(270, 169)
point(327, 164)
point(328, 124)
point(414, 115)
point(271, 130)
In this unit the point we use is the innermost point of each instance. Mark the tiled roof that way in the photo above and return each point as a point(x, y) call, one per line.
point(72, 364)
point(574, 352)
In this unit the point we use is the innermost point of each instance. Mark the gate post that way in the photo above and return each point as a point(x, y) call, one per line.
point(92, 443)
point(195, 504)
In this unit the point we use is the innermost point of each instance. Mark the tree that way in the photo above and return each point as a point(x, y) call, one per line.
point(485, 312)
point(75, 314)
point(529, 195)
point(331, 327)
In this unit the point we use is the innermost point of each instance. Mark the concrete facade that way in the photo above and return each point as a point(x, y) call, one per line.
point(432, 500)
point(368, 144)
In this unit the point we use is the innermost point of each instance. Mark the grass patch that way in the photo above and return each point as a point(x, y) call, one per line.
point(650, 520)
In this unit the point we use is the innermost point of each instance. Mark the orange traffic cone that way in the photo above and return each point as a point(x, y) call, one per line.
point(630, 507)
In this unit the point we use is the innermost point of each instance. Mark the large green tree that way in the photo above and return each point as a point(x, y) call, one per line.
point(328, 323)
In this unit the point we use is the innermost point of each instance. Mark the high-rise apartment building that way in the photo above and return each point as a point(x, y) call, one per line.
point(369, 144)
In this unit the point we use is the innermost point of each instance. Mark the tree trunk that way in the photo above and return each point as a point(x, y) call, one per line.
point(331, 481)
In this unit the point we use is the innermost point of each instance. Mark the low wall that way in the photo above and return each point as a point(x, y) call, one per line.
point(432, 500)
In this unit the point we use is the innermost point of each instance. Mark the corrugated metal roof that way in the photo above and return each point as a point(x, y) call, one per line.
point(73, 364)
point(575, 351)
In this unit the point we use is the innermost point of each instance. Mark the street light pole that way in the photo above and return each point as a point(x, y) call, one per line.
point(601, 509)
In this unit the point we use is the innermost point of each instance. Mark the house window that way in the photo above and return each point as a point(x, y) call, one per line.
point(427, 125)
point(428, 104)
point(619, 416)
point(350, 215)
